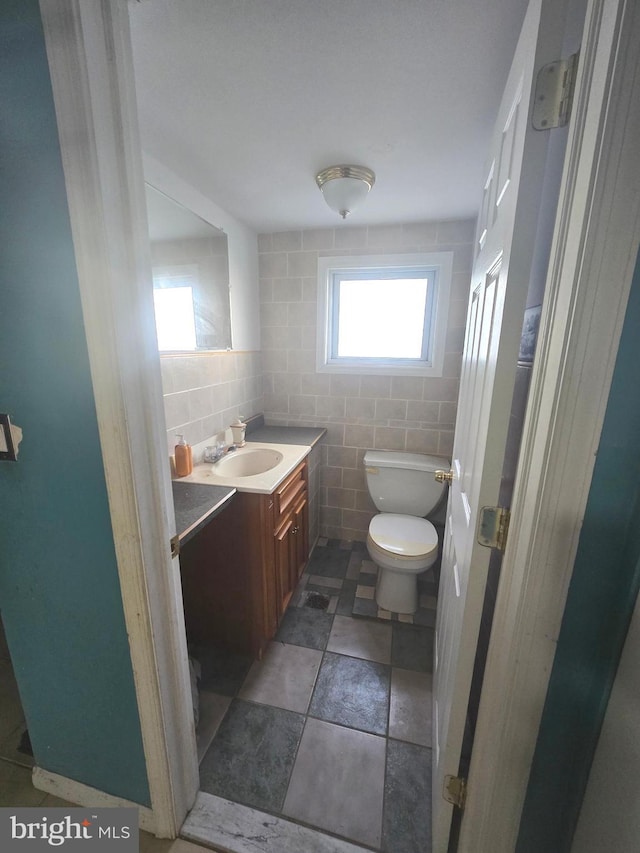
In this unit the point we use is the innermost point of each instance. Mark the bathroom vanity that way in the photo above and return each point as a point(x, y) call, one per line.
point(242, 565)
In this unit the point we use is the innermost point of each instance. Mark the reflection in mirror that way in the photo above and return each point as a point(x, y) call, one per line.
point(190, 264)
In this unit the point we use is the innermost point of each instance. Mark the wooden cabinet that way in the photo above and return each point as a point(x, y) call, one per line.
point(291, 534)
point(239, 572)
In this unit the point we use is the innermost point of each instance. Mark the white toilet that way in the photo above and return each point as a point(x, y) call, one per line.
point(400, 540)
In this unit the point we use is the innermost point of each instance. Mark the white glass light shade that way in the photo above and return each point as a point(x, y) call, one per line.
point(343, 194)
point(344, 187)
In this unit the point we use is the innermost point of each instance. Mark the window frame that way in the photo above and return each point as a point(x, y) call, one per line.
point(437, 266)
point(175, 277)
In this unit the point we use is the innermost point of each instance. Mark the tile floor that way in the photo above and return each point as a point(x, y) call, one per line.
point(332, 729)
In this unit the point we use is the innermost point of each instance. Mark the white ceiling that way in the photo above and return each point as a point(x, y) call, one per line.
point(248, 99)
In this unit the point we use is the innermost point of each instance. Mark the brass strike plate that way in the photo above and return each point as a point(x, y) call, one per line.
point(7, 448)
point(174, 543)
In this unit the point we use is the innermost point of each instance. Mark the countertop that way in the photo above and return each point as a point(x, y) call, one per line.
point(306, 436)
point(282, 459)
point(197, 504)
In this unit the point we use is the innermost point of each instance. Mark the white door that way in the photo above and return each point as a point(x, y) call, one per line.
point(505, 253)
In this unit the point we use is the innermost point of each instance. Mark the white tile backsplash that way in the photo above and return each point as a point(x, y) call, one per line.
point(203, 393)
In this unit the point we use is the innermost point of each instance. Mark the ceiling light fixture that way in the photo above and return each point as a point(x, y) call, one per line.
point(344, 187)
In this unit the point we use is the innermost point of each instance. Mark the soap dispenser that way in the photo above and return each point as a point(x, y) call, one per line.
point(184, 458)
point(237, 431)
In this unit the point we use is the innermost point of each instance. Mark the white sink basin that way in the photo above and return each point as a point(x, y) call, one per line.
point(248, 463)
point(257, 467)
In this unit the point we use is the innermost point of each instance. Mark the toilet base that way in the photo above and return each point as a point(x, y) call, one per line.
point(397, 591)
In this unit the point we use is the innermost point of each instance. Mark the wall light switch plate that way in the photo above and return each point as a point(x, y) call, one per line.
point(7, 449)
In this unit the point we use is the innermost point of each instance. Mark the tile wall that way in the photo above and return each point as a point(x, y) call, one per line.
point(359, 412)
point(204, 393)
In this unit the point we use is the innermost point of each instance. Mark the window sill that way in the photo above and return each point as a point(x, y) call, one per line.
point(355, 369)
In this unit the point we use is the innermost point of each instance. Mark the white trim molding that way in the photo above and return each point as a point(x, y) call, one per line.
point(437, 266)
point(593, 254)
point(89, 51)
point(83, 795)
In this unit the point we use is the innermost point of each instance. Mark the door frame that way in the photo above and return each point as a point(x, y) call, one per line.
point(596, 239)
point(90, 61)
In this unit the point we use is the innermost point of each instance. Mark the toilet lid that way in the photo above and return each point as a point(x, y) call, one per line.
point(403, 534)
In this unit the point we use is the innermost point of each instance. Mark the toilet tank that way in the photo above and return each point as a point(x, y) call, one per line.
point(404, 482)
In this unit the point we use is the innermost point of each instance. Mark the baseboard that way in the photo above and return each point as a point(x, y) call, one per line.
point(83, 795)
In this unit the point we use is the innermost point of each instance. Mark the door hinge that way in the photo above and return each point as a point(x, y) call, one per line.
point(553, 94)
point(493, 527)
point(455, 790)
point(174, 544)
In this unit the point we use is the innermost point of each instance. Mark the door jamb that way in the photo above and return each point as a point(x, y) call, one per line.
point(90, 59)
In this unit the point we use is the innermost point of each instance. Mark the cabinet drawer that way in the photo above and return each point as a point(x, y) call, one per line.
point(289, 490)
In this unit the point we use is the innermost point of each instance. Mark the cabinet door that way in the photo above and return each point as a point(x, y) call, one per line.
point(285, 554)
point(269, 605)
point(300, 533)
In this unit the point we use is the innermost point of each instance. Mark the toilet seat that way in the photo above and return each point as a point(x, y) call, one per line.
point(402, 542)
point(404, 535)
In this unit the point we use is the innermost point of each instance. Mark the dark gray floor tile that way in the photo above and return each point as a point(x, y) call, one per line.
point(347, 595)
point(365, 607)
point(329, 562)
point(353, 693)
point(252, 755)
point(412, 647)
point(406, 824)
point(427, 583)
point(425, 617)
point(303, 626)
point(354, 566)
point(221, 671)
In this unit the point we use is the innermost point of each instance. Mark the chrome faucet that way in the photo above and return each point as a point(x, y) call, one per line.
point(215, 453)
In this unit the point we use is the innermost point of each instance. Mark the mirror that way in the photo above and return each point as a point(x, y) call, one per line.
point(190, 265)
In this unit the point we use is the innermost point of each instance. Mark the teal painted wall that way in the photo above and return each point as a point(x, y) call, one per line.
point(59, 590)
point(602, 595)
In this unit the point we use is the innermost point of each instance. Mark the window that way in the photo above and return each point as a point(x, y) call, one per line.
point(173, 298)
point(383, 314)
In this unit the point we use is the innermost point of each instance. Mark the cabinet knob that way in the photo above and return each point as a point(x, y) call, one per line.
point(295, 529)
